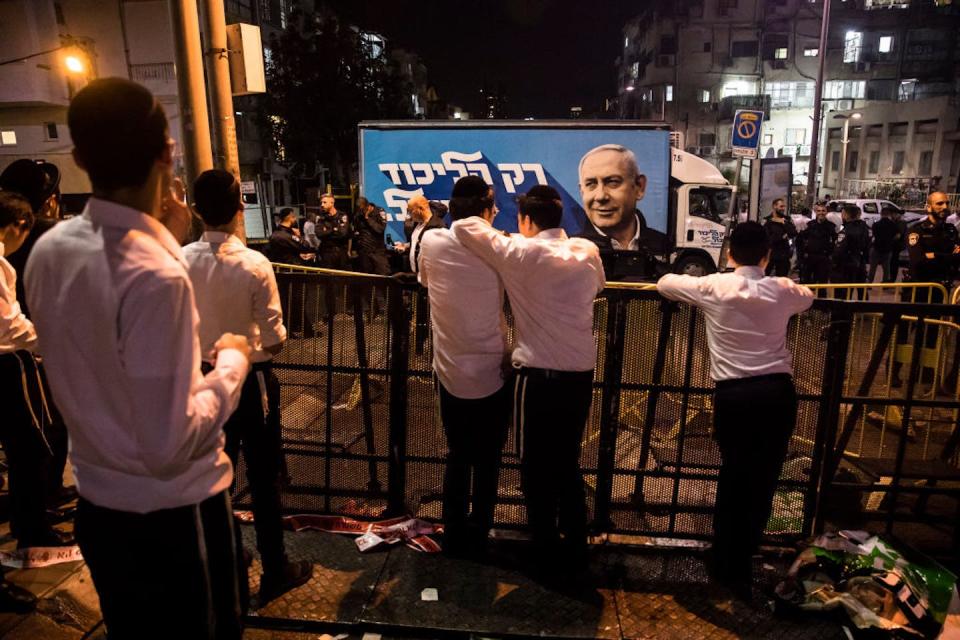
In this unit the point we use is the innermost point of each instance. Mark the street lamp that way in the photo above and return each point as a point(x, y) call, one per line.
point(74, 64)
point(844, 140)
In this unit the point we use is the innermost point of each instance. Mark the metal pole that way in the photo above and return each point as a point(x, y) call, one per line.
point(843, 156)
point(812, 170)
point(217, 60)
point(197, 154)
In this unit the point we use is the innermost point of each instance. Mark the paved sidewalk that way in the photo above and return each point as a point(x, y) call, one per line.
point(631, 594)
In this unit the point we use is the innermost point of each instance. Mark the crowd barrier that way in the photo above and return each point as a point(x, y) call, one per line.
point(362, 435)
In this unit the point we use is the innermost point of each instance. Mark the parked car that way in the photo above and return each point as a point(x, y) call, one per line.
point(870, 209)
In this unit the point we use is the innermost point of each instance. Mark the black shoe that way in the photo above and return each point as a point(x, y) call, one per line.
point(61, 496)
point(49, 538)
point(291, 576)
point(14, 599)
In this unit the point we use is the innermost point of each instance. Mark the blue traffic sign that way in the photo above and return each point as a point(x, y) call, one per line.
point(746, 133)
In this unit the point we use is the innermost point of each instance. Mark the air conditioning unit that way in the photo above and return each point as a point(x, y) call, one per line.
point(861, 67)
point(666, 60)
point(694, 150)
point(804, 150)
point(676, 139)
point(844, 105)
point(707, 151)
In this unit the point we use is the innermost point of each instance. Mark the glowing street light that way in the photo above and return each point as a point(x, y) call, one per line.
point(74, 64)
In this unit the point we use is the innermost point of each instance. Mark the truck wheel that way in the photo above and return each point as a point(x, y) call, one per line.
point(694, 265)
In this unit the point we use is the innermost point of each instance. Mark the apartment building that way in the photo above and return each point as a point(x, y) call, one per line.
point(693, 63)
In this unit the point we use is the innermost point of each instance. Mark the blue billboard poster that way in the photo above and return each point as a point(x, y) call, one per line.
point(401, 160)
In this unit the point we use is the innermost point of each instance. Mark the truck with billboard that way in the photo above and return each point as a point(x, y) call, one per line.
point(684, 199)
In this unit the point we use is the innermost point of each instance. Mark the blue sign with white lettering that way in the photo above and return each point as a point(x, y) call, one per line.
point(746, 133)
point(400, 162)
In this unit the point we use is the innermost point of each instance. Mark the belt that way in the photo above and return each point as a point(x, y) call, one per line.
point(769, 377)
point(555, 374)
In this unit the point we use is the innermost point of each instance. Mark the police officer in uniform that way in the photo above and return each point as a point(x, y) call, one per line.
point(780, 230)
point(816, 244)
point(333, 230)
point(934, 252)
point(852, 252)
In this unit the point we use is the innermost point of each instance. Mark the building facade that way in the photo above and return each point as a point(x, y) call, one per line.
point(693, 63)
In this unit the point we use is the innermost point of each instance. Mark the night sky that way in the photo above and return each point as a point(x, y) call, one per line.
point(548, 55)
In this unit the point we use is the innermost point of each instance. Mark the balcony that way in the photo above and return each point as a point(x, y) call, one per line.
point(730, 105)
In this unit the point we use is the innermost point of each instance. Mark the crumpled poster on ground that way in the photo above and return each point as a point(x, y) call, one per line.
point(412, 531)
point(878, 586)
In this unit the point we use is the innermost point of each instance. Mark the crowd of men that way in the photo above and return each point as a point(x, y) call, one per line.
point(156, 361)
point(842, 248)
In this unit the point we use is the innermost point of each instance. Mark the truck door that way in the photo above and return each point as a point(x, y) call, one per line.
point(700, 227)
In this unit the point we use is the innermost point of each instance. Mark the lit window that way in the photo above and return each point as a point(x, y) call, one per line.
point(768, 138)
point(635, 70)
point(669, 93)
point(780, 54)
point(626, 43)
point(852, 44)
point(8, 137)
point(886, 44)
point(704, 95)
point(811, 52)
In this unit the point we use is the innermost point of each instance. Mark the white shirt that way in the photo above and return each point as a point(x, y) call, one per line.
point(633, 245)
point(466, 309)
point(415, 236)
point(836, 219)
point(310, 234)
point(16, 331)
point(552, 281)
point(235, 292)
point(112, 300)
point(746, 315)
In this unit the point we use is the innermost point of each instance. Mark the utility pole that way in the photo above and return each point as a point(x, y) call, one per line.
point(812, 170)
point(197, 154)
point(217, 58)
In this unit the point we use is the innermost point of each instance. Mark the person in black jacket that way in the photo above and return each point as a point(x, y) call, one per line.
point(333, 230)
point(886, 238)
point(369, 223)
point(285, 245)
point(852, 251)
point(815, 246)
point(780, 230)
point(611, 185)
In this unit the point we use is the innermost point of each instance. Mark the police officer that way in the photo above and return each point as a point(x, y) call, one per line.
point(852, 252)
point(934, 253)
point(333, 230)
point(370, 221)
point(815, 245)
point(780, 231)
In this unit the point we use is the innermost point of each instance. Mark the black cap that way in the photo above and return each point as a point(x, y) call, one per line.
point(438, 208)
point(34, 180)
point(470, 187)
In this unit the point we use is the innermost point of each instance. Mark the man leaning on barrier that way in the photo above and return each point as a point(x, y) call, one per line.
point(755, 403)
point(113, 306)
point(469, 350)
point(236, 292)
point(551, 281)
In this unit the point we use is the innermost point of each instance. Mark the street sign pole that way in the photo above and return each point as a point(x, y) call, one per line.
point(745, 143)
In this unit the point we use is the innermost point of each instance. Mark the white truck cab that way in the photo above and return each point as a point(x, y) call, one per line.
point(700, 204)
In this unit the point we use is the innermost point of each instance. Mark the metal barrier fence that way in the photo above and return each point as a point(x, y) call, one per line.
point(362, 434)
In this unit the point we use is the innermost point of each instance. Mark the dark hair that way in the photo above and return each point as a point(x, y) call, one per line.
point(470, 197)
point(437, 208)
point(543, 205)
point(749, 243)
point(852, 210)
point(119, 131)
point(14, 209)
point(217, 197)
point(776, 200)
point(286, 211)
point(888, 210)
point(36, 181)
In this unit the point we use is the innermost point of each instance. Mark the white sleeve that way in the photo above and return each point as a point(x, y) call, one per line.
point(16, 331)
point(683, 288)
point(180, 412)
point(267, 311)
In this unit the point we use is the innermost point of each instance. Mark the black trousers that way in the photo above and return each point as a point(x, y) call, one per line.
point(192, 592)
point(753, 419)
point(257, 433)
point(931, 331)
point(476, 430)
point(779, 266)
point(849, 273)
point(22, 434)
point(551, 410)
point(816, 269)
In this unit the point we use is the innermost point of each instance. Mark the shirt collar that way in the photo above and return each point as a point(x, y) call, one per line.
point(751, 272)
point(556, 233)
point(636, 234)
point(118, 216)
point(219, 237)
